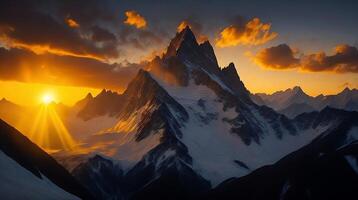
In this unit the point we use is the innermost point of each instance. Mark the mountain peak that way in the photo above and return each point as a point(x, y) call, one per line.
point(184, 37)
point(231, 68)
point(89, 96)
point(208, 51)
point(104, 91)
point(297, 89)
point(346, 89)
point(232, 79)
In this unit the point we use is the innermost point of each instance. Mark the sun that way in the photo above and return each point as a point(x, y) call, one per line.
point(47, 98)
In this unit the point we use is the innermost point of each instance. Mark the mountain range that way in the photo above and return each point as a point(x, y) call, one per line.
point(295, 101)
point(185, 128)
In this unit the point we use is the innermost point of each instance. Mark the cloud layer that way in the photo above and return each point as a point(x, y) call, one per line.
point(24, 25)
point(343, 60)
point(25, 66)
point(243, 32)
point(53, 41)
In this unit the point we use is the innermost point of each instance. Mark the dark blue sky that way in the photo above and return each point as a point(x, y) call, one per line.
point(322, 23)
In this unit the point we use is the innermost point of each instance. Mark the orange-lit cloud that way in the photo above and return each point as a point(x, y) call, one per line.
point(343, 60)
point(252, 32)
point(72, 23)
point(44, 48)
point(27, 66)
point(135, 19)
point(195, 26)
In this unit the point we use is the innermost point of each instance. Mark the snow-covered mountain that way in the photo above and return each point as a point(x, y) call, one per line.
point(295, 101)
point(26, 171)
point(184, 125)
point(326, 168)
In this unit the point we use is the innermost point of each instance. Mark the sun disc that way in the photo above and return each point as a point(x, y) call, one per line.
point(47, 98)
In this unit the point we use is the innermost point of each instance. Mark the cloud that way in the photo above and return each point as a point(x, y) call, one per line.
point(243, 32)
point(343, 60)
point(195, 26)
point(102, 35)
point(135, 19)
point(277, 57)
point(45, 31)
point(25, 66)
point(59, 27)
point(139, 38)
point(72, 23)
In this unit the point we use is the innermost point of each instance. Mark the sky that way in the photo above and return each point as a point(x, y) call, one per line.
point(74, 47)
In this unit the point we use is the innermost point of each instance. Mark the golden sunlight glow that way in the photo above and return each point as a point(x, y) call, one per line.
point(30, 94)
point(47, 98)
point(49, 132)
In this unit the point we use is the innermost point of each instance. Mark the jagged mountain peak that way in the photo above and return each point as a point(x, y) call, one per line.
point(106, 102)
point(208, 51)
point(105, 92)
point(231, 69)
point(185, 37)
point(83, 102)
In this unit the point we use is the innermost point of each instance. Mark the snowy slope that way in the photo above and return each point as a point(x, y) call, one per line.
point(19, 183)
point(27, 172)
point(326, 168)
point(212, 144)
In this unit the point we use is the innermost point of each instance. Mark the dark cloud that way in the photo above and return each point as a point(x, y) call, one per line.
point(343, 60)
point(138, 38)
point(26, 66)
point(81, 28)
point(102, 35)
point(277, 57)
point(29, 25)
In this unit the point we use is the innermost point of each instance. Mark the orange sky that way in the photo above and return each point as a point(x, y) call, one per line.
point(31, 93)
point(257, 79)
